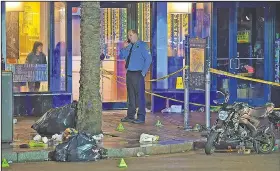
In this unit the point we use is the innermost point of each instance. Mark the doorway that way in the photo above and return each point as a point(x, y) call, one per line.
point(241, 48)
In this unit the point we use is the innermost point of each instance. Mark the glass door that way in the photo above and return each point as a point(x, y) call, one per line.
point(241, 48)
point(250, 58)
point(116, 19)
point(223, 55)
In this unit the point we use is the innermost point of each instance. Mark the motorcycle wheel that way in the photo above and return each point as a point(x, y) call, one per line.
point(210, 144)
point(263, 148)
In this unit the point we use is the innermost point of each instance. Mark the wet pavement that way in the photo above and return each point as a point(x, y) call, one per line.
point(171, 132)
point(191, 161)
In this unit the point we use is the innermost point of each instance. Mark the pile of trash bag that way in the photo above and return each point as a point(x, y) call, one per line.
point(79, 147)
point(56, 120)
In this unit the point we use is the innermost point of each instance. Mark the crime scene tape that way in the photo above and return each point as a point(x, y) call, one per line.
point(153, 80)
point(157, 95)
point(212, 70)
point(219, 72)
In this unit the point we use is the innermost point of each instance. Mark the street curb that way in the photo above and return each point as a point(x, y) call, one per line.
point(154, 149)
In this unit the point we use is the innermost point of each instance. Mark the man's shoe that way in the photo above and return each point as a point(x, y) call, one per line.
point(138, 121)
point(126, 119)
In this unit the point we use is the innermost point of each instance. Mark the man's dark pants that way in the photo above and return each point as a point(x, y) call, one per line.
point(135, 83)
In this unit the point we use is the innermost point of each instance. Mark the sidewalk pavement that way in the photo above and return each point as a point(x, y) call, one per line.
point(173, 138)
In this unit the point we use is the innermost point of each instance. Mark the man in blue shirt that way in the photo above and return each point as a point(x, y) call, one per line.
point(138, 60)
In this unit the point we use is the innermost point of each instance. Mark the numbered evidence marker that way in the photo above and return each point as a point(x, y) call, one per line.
point(179, 83)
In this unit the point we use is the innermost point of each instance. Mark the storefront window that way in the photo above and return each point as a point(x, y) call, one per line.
point(250, 51)
point(113, 34)
point(177, 28)
point(59, 65)
point(144, 33)
point(26, 28)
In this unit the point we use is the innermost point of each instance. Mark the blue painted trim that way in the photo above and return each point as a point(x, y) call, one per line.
point(162, 44)
point(3, 31)
point(51, 82)
point(214, 44)
point(269, 34)
point(233, 49)
point(68, 59)
point(153, 47)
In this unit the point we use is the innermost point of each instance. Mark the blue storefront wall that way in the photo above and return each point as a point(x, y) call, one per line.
point(164, 64)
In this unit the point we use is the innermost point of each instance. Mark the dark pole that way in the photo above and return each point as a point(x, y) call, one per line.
point(207, 81)
point(186, 81)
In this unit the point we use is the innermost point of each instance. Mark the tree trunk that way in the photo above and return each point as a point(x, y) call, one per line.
point(90, 105)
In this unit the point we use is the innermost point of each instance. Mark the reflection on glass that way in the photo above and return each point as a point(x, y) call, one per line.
point(144, 34)
point(23, 28)
point(60, 46)
point(250, 51)
point(223, 47)
point(113, 34)
point(177, 28)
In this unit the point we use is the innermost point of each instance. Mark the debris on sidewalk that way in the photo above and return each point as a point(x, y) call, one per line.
point(37, 138)
point(56, 120)
point(33, 143)
point(45, 140)
point(197, 128)
point(140, 154)
point(68, 133)
point(144, 138)
point(79, 147)
point(122, 164)
point(57, 137)
point(275, 148)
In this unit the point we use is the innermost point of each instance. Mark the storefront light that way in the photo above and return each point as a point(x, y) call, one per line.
point(179, 7)
point(14, 7)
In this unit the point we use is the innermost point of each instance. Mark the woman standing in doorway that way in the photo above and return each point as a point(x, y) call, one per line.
point(36, 57)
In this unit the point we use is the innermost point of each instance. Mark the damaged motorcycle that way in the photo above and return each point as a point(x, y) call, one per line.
point(240, 123)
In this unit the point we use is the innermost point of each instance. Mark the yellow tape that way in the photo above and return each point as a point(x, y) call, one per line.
point(219, 72)
point(153, 80)
point(157, 95)
point(212, 70)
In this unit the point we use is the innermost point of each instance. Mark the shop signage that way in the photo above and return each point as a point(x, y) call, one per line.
point(197, 63)
point(244, 36)
point(30, 72)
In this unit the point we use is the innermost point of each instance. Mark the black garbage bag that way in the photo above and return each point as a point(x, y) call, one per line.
point(80, 147)
point(56, 120)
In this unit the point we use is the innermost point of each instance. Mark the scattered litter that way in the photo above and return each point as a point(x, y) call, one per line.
point(148, 138)
point(68, 133)
point(122, 164)
point(120, 127)
point(275, 148)
point(45, 140)
point(79, 147)
point(176, 108)
point(24, 146)
point(229, 149)
point(37, 138)
point(140, 154)
point(15, 121)
point(57, 137)
point(98, 138)
point(56, 120)
point(36, 144)
point(166, 110)
point(197, 127)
